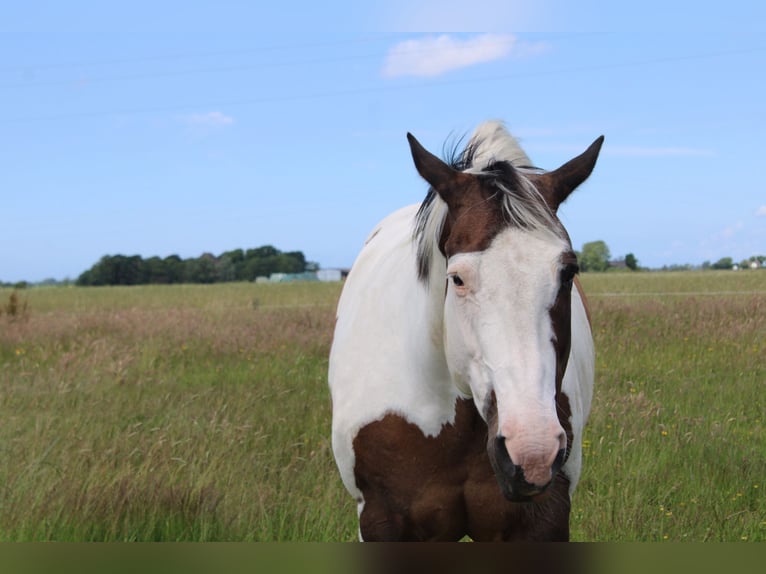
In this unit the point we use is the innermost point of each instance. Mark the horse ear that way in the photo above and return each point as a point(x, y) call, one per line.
point(437, 173)
point(561, 182)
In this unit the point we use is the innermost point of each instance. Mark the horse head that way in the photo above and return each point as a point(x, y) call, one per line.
point(510, 272)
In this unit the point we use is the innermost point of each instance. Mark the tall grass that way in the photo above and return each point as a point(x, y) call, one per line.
point(202, 413)
point(676, 448)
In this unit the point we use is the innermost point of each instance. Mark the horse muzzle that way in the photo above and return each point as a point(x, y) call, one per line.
point(529, 478)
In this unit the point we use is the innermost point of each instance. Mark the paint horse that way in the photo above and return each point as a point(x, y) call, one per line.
point(461, 369)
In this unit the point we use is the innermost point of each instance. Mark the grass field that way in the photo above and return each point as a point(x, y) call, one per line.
point(202, 412)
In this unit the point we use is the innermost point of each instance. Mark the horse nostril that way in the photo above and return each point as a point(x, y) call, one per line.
point(558, 462)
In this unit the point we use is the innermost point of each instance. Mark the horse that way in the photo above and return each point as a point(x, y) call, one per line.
point(462, 362)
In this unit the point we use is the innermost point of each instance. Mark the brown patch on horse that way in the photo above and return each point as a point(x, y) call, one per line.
point(475, 212)
point(475, 223)
point(556, 186)
point(443, 488)
point(561, 320)
point(562, 325)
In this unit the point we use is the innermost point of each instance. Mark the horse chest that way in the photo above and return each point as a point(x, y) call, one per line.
point(393, 442)
point(412, 483)
point(442, 487)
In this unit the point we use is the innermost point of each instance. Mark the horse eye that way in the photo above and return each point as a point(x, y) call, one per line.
point(457, 281)
point(568, 275)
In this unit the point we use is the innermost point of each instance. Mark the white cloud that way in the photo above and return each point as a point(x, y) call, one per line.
point(761, 211)
point(208, 119)
point(435, 55)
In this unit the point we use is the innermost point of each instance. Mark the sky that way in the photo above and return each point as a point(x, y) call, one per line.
point(160, 128)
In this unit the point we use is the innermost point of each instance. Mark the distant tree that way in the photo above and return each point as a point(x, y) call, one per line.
point(85, 279)
point(236, 256)
point(631, 262)
point(99, 274)
point(759, 260)
point(594, 256)
point(724, 263)
point(297, 261)
point(154, 271)
point(201, 270)
point(113, 270)
point(174, 268)
point(227, 269)
point(262, 252)
point(235, 265)
point(290, 262)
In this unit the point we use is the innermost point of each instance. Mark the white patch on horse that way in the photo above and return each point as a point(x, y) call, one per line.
point(499, 336)
point(497, 144)
point(387, 354)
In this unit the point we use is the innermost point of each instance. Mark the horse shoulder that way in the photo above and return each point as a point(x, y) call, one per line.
point(384, 359)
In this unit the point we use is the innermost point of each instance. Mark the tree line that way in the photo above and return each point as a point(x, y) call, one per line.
point(729, 263)
point(595, 256)
point(235, 265)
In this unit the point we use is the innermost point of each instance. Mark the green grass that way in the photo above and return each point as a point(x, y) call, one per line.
point(675, 447)
point(202, 413)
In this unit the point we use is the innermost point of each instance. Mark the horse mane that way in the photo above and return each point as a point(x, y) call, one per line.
point(495, 155)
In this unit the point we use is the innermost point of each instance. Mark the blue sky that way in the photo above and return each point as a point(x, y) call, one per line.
point(159, 128)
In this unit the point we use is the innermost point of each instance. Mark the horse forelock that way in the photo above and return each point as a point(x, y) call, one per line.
point(495, 155)
point(491, 142)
